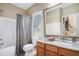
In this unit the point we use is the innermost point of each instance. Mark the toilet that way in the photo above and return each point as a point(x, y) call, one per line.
point(30, 49)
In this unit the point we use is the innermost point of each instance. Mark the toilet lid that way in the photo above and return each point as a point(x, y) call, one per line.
point(29, 45)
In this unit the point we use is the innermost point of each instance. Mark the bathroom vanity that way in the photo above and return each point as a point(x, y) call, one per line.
point(59, 21)
point(47, 48)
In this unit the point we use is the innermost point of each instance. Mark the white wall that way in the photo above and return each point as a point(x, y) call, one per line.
point(8, 31)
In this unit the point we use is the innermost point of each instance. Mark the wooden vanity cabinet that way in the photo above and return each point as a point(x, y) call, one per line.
point(51, 50)
point(40, 49)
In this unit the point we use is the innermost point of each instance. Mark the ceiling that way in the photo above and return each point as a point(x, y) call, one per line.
point(23, 5)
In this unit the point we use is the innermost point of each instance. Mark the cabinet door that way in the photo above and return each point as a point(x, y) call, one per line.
point(67, 52)
point(51, 48)
point(42, 45)
point(49, 53)
point(40, 51)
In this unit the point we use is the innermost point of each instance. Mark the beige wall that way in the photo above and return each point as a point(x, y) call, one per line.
point(10, 10)
point(37, 7)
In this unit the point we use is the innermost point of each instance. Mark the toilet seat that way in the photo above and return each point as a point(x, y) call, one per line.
point(28, 47)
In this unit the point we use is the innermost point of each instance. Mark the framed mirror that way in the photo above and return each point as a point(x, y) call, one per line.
point(52, 21)
point(62, 21)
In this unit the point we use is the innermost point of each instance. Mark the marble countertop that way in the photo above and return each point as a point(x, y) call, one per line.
point(70, 46)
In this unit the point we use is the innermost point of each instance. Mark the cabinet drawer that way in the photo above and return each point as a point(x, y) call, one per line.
point(49, 53)
point(42, 45)
point(51, 48)
point(40, 51)
point(67, 52)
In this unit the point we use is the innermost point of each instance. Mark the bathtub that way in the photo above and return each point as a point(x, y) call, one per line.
point(7, 51)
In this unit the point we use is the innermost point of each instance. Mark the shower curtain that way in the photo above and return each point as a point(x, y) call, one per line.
point(23, 32)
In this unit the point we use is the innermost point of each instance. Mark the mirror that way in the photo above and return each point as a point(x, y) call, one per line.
point(52, 21)
point(70, 25)
point(62, 20)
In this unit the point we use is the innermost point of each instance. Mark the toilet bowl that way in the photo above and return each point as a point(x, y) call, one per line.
point(30, 48)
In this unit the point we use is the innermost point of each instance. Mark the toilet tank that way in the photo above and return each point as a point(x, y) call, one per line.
point(34, 40)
